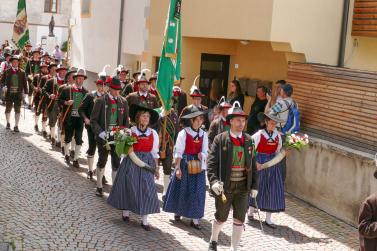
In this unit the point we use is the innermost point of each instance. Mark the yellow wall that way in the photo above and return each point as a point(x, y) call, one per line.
point(362, 53)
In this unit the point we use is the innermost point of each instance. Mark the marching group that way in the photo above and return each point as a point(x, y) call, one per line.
point(227, 147)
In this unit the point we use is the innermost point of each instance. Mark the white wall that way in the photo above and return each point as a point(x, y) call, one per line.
point(311, 27)
point(38, 20)
point(135, 34)
point(95, 39)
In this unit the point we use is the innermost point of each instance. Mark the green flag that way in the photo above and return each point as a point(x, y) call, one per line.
point(169, 70)
point(21, 26)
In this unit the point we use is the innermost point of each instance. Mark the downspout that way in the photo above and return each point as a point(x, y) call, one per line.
point(343, 33)
point(121, 19)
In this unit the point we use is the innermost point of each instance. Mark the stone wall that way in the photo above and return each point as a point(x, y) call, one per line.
point(331, 177)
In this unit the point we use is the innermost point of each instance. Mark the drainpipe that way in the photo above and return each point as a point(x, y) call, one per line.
point(120, 31)
point(343, 33)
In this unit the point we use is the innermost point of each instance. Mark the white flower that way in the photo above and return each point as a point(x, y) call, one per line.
point(121, 132)
point(112, 133)
point(306, 136)
point(306, 141)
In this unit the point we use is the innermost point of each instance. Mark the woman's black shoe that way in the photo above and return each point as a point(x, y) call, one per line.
point(146, 227)
point(212, 246)
point(90, 175)
point(177, 218)
point(273, 226)
point(126, 218)
point(196, 226)
point(99, 192)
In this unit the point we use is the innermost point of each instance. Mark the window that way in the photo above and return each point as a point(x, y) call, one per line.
point(51, 6)
point(85, 8)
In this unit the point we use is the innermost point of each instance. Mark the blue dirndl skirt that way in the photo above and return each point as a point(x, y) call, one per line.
point(186, 197)
point(271, 197)
point(134, 188)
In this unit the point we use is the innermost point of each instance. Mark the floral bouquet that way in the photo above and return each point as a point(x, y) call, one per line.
point(296, 141)
point(292, 141)
point(123, 140)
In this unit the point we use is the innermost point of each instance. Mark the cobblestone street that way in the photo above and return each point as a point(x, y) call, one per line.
point(46, 205)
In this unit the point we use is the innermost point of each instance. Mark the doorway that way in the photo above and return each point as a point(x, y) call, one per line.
point(214, 74)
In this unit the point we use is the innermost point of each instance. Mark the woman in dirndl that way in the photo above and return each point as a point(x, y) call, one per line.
point(134, 188)
point(187, 189)
point(270, 198)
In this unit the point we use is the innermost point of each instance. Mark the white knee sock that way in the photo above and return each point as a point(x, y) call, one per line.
point(77, 152)
point(7, 117)
point(44, 126)
point(17, 118)
point(100, 173)
point(166, 184)
point(236, 236)
point(59, 138)
point(66, 149)
point(52, 132)
point(126, 213)
point(144, 218)
point(113, 175)
point(90, 163)
point(73, 144)
point(269, 218)
point(36, 118)
point(251, 210)
point(196, 221)
point(216, 229)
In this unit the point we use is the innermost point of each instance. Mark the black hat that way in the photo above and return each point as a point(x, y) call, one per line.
point(7, 51)
point(80, 73)
point(134, 108)
point(136, 73)
point(236, 111)
point(115, 83)
point(194, 112)
point(153, 77)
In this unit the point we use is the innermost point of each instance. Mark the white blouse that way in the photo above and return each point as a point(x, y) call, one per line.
point(257, 136)
point(155, 148)
point(180, 144)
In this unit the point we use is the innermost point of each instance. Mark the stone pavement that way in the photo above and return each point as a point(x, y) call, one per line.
point(46, 205)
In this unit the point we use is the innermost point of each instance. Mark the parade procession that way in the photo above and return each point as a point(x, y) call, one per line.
point(178, 155)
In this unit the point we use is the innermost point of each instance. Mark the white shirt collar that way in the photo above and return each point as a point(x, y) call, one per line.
point(239, 135)
point(112, 97)
point(145, 94)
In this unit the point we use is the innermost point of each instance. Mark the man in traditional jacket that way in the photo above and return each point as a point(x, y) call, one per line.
point(50, 90)
point(68, 81)
point(32, 68)
point(16, 84)
point(179, 97)
point(143, 97)
point(108, 113)
point(70, 99)
point(41, 108)
point(233, 176)
point(368, 223)
point(37, 91)
point(85, 111)
point(220, 124)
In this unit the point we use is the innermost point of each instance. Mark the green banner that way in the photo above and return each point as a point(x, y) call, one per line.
point(170, 62)
point(21, 26)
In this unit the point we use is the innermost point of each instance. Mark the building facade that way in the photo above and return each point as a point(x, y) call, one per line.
point(39, 14)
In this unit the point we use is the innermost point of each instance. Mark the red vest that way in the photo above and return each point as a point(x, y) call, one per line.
point(268, 147)
point(193, 147)
point(144, 144)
